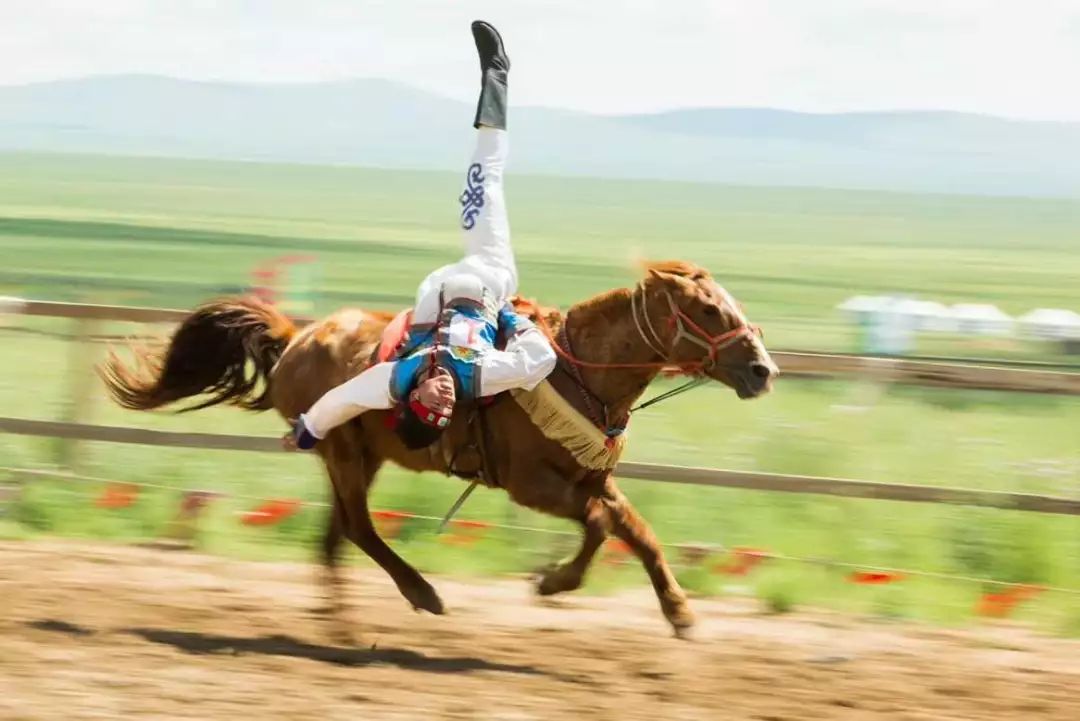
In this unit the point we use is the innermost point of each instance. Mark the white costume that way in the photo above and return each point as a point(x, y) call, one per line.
point(486, 276)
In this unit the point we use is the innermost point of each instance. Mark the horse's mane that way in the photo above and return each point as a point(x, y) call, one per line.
point(553, 317)
point(531, 309)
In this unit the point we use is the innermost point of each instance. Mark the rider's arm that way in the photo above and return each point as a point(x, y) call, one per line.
point(527, 360)
point(367, 391)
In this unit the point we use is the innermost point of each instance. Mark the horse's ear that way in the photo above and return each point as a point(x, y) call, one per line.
point(675, 269)
point(666, 276)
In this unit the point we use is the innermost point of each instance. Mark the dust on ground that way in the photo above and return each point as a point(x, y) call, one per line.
point(100, 631)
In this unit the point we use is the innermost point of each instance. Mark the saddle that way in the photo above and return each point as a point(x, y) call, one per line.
point(393, 336)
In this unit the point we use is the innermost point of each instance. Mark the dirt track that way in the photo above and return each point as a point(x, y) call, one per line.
point(119, 632)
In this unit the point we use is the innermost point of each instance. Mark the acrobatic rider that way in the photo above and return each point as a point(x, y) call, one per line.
point(460, 308)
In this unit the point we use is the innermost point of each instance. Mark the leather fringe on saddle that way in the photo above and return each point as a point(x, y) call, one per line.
point(561, 422)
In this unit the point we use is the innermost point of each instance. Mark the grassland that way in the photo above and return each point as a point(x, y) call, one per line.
point(172, 233)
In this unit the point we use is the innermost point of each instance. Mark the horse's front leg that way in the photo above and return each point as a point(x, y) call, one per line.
point(351, 477)
point(569, 574)
point(628, 525)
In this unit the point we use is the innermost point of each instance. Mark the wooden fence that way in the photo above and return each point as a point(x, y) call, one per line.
point(986, 376)
point(956, 375)
point(645, 471)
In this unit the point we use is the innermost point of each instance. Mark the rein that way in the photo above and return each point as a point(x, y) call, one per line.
point(678, 390)
point(600, 418)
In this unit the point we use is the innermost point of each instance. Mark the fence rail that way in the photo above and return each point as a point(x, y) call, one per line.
point(976, 376)
point(931, 373)
point(643, 471)
point(74, 428)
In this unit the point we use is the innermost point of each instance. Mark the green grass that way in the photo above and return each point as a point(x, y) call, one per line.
point(172, 233)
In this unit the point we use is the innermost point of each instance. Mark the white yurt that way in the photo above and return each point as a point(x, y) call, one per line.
point(858, 307)
point(884, 323)
point(981, 319)
point(926, 315)
point(1050, 324)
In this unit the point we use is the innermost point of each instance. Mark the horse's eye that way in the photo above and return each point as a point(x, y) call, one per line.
point(712, 310)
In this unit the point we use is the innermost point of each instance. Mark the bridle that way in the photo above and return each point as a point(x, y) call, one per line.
point(685, 330)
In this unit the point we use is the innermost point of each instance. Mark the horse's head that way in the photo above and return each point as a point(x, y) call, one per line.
point(690, 321)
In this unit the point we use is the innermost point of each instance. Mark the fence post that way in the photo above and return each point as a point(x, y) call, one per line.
point(10, 494)
point(80, 385)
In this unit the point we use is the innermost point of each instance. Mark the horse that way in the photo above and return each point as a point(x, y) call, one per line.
point(552, 449)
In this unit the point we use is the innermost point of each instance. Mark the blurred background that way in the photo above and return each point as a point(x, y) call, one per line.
point(870, 179)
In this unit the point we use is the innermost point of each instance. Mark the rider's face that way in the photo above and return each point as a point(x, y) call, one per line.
point(436, 391)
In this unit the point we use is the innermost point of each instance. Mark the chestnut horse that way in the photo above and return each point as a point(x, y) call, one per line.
point(246, 353)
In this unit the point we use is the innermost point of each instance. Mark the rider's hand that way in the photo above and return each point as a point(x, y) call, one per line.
point(437, 393)
point(288, 441)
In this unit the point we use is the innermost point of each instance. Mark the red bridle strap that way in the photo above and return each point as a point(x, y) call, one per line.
point(699, 336)
point(679, 321)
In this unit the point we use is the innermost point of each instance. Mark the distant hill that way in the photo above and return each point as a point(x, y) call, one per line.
point(386, 124)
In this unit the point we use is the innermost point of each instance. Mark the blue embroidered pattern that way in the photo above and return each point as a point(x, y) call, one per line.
point(472, 198)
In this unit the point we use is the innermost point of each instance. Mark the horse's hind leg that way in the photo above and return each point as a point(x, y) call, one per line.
point(332, 578)
point(333, 538)
point(352, 478)
point(628, 525)
point(568, 575)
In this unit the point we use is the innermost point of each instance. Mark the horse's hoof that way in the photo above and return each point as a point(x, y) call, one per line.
point(683, 633)
point(425, 599)
point(682, 620)
point(557, 580)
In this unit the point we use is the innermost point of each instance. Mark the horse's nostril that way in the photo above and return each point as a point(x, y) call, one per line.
point(760, 370)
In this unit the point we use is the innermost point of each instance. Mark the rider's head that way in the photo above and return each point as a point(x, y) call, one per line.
point(427, 411)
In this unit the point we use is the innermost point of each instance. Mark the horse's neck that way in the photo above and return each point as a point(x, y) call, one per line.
point(602, 331)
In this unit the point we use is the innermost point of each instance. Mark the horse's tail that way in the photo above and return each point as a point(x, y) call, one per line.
point(226, 349)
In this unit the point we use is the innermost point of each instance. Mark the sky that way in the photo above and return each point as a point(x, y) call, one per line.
point(1015, 58)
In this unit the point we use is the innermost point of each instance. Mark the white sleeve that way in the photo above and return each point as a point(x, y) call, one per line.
point(527, 360)
point(367, 391)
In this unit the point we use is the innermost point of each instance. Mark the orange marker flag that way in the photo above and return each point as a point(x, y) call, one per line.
point(872, 578)
point(1001, 604)
point(465, 533)
point(389, 523)
point(744, 560)
point(117, 495)
point(616, 551)
point(271, 512)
